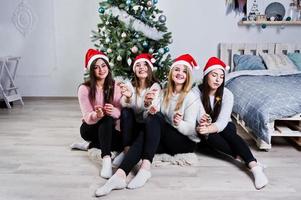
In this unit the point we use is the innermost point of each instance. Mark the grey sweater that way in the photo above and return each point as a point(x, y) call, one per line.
point(189, 110)
point(226, 109)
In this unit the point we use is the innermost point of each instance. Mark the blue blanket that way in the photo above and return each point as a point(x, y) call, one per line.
point(262, 97)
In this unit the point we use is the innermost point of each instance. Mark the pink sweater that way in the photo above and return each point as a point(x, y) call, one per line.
point(87, 109)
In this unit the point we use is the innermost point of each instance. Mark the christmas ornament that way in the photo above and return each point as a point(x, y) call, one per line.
point(162, 18)
point(155, 1)
point(107, 22)
point(111, 64)
point(145, 44)
point(128, 2)
point(161, 51)
point(101, 10)
point(119, 58)
point(134, 49)
point(109, 50)
point(129, 61)
point(166, 49)
point(123, 35)
point(263, 26)
point(151, 50)
point(149, 3)
point(135, 8)
point(107, 40)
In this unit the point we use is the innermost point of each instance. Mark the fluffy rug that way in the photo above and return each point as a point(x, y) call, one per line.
point(183, 159)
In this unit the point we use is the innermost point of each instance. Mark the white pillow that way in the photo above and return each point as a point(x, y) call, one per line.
point(278, 62)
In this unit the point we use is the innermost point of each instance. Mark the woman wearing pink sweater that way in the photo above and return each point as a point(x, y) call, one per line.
point(99, 99)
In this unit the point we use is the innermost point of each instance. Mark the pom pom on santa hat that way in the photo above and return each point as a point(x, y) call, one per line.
point(187, 60)
point(145, 57)
point(214, 63)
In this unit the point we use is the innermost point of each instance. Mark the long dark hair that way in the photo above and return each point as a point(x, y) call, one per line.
point(108, 86)
point(218, 98)
point(149, 81)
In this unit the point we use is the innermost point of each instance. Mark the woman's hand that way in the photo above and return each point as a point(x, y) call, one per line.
point(108, 109)
point(205, 120)
point(99, 111)
point(177, 118)
point(152, 110)
point(125, 91)
point(202, 129)
point(149, 97)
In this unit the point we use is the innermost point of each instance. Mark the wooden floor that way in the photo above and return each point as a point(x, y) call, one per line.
point(36, 163)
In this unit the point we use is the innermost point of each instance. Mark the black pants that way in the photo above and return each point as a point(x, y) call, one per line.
point(102, 135)
point(172, 141)
point(130, 128)
point(230, 143)
point(144, 145)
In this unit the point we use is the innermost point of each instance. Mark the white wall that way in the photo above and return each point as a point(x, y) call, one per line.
point(53, 52)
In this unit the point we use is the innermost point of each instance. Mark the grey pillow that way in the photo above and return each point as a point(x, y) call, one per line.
point(248, 62)
point(278, 62)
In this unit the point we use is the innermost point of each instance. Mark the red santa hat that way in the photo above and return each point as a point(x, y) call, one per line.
point(214, 63)
point(187, 60)
point(93, 54)
point(145, 57)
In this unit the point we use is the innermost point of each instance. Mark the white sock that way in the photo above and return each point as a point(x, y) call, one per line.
point(80, 145)
point(260, 178)
point(106, 170)
point(114, 183)
point(140, 179)
point(118, 159)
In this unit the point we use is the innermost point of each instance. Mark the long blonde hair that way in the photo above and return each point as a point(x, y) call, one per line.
point(171, 87)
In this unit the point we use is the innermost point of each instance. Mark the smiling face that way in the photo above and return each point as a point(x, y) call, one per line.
point(215, 78)
point(179, 74)
point(141, 70)
point(101, 69)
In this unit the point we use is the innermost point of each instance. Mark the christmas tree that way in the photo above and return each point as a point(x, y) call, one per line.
point(128, 28)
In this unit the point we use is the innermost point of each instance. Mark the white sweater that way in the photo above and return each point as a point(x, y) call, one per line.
point(136, 102)
point(189, 110)
point(226, 109)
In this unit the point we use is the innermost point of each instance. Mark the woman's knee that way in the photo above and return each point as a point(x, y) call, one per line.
point(126, 113)
point(150, 119)
point(107, 120)
point(230, 128)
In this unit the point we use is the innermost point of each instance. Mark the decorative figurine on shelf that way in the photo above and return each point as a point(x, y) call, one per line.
point(254, 11)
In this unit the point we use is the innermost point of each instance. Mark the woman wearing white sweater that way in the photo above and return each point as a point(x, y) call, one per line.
point(134, 110)
point(139, 140)
point(176, 120)
point(214, 121)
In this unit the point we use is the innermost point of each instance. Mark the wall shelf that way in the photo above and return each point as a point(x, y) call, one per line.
point(269, 23)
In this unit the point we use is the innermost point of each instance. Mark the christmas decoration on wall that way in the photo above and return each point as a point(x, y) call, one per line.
point(130, 27)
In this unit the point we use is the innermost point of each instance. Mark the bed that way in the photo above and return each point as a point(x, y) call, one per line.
point(267, 103)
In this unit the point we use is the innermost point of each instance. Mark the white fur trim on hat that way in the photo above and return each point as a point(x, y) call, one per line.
point(141, 60)
point(213, 67)
point(181, 62)
point(95, 57)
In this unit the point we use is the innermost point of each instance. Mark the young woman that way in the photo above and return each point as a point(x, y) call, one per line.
point(99, 100)
point(179, 108)
point(133, 95)
point(214, 123)
point(140, 141)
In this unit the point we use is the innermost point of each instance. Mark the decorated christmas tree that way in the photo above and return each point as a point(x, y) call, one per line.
point(130, 27)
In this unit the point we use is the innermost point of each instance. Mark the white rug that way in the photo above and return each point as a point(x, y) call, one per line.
point(183, 159)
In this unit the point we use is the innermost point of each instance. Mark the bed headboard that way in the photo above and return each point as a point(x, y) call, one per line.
point(287, 48)
point(227, 51)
